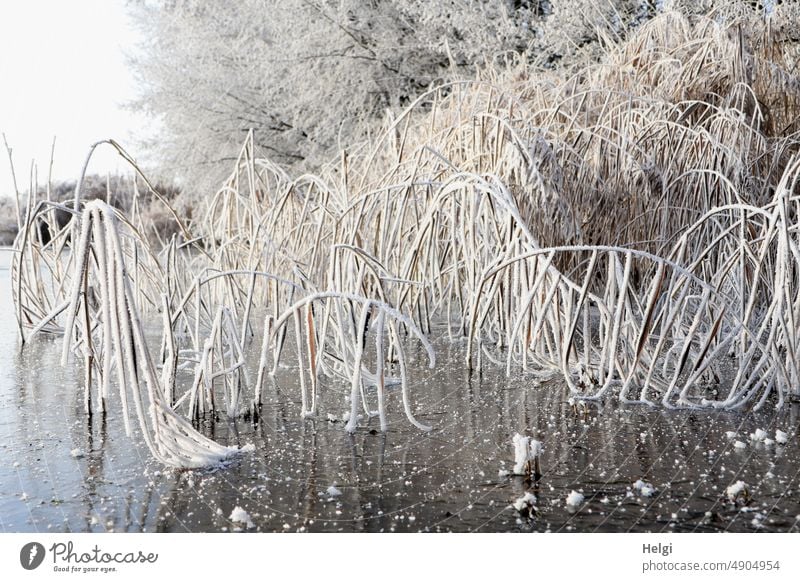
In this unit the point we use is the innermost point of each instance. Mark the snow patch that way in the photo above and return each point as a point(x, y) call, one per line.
point(239, 515)
point(733, 491)
point(574, 499)
point(645, 489)
point(525, 502)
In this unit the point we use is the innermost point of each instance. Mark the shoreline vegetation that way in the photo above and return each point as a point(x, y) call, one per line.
point(629, 226)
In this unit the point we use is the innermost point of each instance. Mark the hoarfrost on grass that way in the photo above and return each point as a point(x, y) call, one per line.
point(645, 489)
point(526, 451)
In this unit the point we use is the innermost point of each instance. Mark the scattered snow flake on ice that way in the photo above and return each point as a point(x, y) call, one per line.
point(574, 499)
point(781, 437)
point(333, 491)
point(248, 448)
point(731, 435)
point(503, 473)
point(524, 502)
point(645, 489)
point(733, 491)
point(739, 445)
point(77, 453)
point(758, 435)
point(239, 515)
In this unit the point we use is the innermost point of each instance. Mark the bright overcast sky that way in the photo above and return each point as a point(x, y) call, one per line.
point(63, 74)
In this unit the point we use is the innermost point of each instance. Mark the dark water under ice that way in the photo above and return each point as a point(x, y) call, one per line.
point(405, 480)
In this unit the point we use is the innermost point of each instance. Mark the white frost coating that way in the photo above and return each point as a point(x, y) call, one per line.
point(574, 499)
point(333, 491)
point(526, 453)
point(733, 491)
point(525, 502)
point(239, 515)
point(521, 453)
point(248, 448)
point(77, 453)
point(781, 437)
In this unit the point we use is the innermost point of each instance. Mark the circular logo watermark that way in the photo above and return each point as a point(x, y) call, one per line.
point(31, 555)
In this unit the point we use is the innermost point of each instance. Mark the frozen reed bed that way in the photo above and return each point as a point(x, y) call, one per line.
point(631, 226)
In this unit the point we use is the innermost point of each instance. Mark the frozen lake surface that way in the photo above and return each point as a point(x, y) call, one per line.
point(62, 471)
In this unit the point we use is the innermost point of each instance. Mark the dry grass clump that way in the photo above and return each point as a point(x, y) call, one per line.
point(631, 227)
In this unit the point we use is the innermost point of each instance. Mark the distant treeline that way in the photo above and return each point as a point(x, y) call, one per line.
point(120, 191)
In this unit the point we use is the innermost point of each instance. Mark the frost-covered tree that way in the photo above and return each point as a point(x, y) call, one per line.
point(309, 76)
point(303, 74)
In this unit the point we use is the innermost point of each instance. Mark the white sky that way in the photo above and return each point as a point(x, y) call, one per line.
point(63, 74)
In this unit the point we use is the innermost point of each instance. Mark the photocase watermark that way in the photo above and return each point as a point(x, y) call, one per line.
point(31, 555)
point(67, 558)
